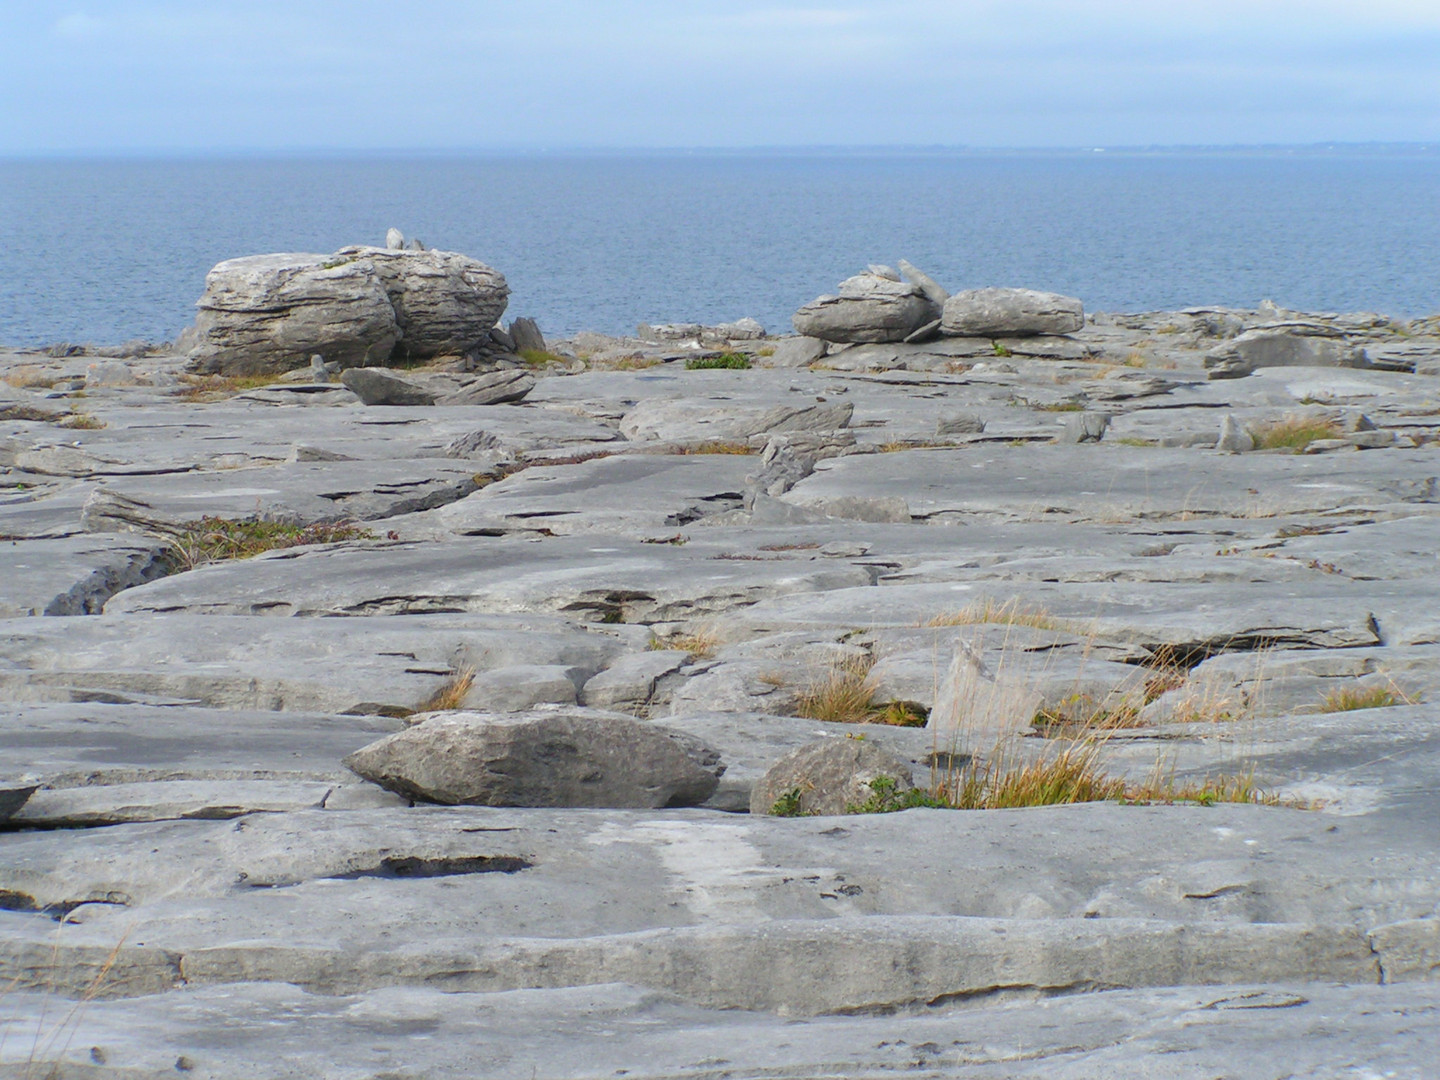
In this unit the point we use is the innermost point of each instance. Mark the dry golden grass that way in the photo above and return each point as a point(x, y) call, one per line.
point(31, 376)
point(217, 387)
point(700, 643)
point(451, 694)
point(1081, 712)
point(845, 695)
point(1351, 698)
point(842, 695)
point(1295, 433)
point(1010, 613)
point(80, 422)
point(717, 446)
point(1075, 775)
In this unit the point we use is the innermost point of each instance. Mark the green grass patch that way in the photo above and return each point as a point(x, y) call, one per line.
point(1351, 698)
point(731, 361)
point(1294, 433)
point(214, 539)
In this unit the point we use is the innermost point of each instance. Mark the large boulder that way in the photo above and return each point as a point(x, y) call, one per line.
point(445, 303)
point(1297, 345)
point(829, 776)
point(1010, 312)
point(542, 759)
point(361, 307)
point(868, 307)
point(266, 314)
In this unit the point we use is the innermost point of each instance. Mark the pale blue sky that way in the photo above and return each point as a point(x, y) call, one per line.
point(222, 75)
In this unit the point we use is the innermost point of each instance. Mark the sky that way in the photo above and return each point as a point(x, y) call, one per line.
point(163, 76)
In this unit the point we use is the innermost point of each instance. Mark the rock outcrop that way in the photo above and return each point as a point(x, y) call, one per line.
point(868, 307)
point(831, 776)
point(542, 759)
point(1011, 313)
point(361, 307)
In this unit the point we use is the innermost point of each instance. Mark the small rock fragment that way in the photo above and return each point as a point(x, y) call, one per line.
point(376, 386)
point(1234, 439)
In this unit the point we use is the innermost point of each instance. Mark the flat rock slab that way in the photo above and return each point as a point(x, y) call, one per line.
point(75, 744)
point(599, 578)
point(253, 662)
point(646, 493)
point(1049, 899)
point(306, 492)
point(73, 575)
point(270, 1032)
point(1100, 483)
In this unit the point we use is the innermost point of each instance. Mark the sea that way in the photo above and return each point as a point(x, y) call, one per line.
point(106, 251)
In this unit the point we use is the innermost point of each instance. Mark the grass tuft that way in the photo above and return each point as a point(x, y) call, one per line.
point(80, 422)
point(451, 694)
point(214, 539)
point(718, 446)
point(700, 644)
point(540, 358)
point(1351, 698)
point(1010, 613)
point(842, 695)
point(1294, 433)
point(733, 361)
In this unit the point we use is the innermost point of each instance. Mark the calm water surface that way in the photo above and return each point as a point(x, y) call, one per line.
point(106, 251)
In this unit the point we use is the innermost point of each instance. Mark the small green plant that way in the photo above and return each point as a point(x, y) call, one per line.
point(885, 799)
point(1061, 406)
point(1295, 433)
point(788, 804)
point(1131, 440)
point(735, 361)
point(1000, 350)
point(215, 539)
point(540, 358)
point(1352, 698)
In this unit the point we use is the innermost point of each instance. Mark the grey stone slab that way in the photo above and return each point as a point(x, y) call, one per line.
point(606, 578)
point(272, 1031)
point(74, 575)
point(306, 492)
point(1107, 483)
point(80, 744)
point(631, 492)
point(1051, 899)
point(305, 665)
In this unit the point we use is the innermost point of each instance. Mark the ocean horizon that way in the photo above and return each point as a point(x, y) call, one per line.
point(102, 250)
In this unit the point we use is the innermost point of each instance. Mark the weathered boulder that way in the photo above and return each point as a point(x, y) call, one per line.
point(1006, 312)
point(492, 388)
point(1303, 345)
point(1234, 438)
point(1085, 427)
point(445, 303)
point(526, 336)
point(265, 314)
point(868, 308)
point(829, 776)
point(376, 386)
point(542, 759)
point(793, 352)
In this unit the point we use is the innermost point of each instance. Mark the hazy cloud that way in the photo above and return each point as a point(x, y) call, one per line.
point(474, 74)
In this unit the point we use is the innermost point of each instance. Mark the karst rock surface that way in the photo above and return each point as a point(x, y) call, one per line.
point(1184, 561)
